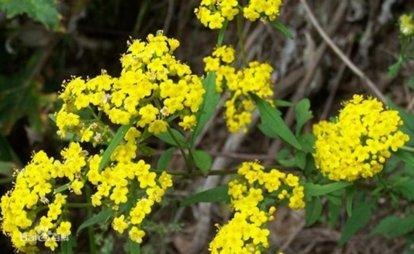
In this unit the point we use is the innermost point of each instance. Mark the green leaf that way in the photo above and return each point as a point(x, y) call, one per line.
point(312, 189)
point(393, 226)
point(303, 114)
point(167, 138)
point(133, 247)
point(282, 29)
point(300, 159)
point(307, 141)
point(282, 103)
point(349, 200)
point(222, 31)
point(202, 160)
point(44, 11)
point(406, 157)
point(405, 188)
point(217, 194)
point(333, 213)
point(210, 102)
point(101, 217)
point(116, 140)
point(165, 158)
point(6, 168)
point(274, 124)
point(395, 68)
point(361, 215)
point(66, 246)
point(313, 211)
point(285, 158)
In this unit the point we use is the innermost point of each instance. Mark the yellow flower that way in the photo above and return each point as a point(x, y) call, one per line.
point(64, 228)
point(358, 143)
point(77, 186)
point(407, 25)
point(119, 224)
point(136, 234)
point(255, 79)
point(246, 232)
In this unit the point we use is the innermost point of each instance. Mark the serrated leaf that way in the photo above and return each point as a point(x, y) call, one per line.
point(217, 194)
point(116, 140)
point(170, 137)
point(202, 160)
point(282, 103)
point(165, 158)
point(282, 29)
point(210, 102)
point(274, 124)
point(313, 211)
point(393, 226)
point(103, 216)
point(312, 189)
point(361, 215)
point(303, 114)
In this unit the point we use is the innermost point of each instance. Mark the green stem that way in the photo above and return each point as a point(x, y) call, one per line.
point(187, 161)
point(407, 148)
point(220, 37)
point(91, 235)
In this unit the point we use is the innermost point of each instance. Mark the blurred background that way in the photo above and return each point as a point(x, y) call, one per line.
point(44, 42)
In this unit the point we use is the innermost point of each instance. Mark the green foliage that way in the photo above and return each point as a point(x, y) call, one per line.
point(313, 211)
point(165, 158)
point(303, 114)
point(272, 124)
point(312, 189)
point(361, 215)
point(284, 30)
point(217, 194)
point(43, 11)
point(102, 217)
point(202, 160)
point(116, 140)
point(173, 137)
point(393, 226)
point(210, 102)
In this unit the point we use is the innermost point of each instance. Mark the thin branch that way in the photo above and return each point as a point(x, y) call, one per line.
point(341, 55)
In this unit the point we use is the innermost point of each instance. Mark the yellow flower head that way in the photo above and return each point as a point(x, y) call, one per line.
point(246, 232)
point(152, 85)
point(407, 25)
point(241, 84)
point(358, 143)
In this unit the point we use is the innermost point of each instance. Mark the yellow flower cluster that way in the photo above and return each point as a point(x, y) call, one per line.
point(358, 143)
point(246, 232)
point(254, 79)
point(33, 192)
point(267, 9)
point(152, 86)
point(120, 182)
point(213, 13)
point(407, 25)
